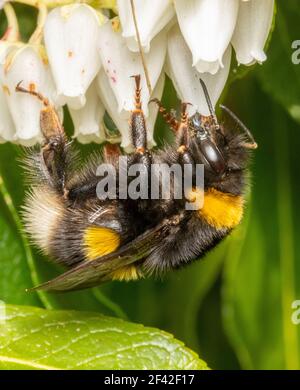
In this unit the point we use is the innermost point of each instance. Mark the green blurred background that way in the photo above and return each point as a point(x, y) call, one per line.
point(234, 307)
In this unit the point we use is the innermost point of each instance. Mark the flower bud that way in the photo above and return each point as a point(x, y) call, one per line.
point(252, 30)
point(88, 120)
point(186, 78)
point(27, 64)
point(207, 27)
point(71, 36)
point(119, 64)
point(152, 16)
point(7, 128)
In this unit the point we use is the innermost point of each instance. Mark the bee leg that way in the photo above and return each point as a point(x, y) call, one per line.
point(137, 121)
point(111, 153)
point(141, 155)
point(55, 151)
point(182, 141)
point(169, 118)
point(182, 135)
point(138, 129)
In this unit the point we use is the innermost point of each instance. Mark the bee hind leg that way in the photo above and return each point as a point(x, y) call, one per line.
point(56, 154)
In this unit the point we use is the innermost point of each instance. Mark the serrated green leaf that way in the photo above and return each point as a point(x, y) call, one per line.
point(33, 338)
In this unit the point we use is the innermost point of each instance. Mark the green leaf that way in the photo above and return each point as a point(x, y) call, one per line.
point(33, 338)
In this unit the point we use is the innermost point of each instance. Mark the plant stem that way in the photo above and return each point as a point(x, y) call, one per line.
point(37, 35)
point(108, 303)
point(12, 32)
point(30, 261)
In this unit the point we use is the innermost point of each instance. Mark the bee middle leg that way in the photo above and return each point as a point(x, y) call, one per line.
point(137, 123)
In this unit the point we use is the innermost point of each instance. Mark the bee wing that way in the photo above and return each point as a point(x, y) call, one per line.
point(92, 273)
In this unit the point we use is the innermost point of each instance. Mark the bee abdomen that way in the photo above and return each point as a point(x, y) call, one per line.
point(42, 213)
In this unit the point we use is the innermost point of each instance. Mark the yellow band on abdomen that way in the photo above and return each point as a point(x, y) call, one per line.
point(100, 241)
point(222, 210)
point(126, 273)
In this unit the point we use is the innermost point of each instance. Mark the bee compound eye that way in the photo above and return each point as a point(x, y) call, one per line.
point(196, 121)
point(213, 156)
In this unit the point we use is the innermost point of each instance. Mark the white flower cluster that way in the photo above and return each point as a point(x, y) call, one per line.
point(81, 58)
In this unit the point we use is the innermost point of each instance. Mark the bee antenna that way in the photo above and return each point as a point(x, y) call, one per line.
point(253, 144)
point(140, 47)
point(209, 103)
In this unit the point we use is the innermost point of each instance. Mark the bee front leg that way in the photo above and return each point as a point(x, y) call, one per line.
point(168, 117)
point(138, 129)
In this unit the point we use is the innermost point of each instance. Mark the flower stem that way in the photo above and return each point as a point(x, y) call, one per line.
point(12, 32)
point(109, 304)
point(37, 35)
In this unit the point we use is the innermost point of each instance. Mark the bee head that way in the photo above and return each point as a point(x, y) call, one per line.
point(203, 131)
point(210, 140)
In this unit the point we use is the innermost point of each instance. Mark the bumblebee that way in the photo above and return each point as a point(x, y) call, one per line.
point(99, 240)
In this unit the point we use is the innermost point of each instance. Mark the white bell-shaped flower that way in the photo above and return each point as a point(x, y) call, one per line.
point(121, 118)
point(71, 35)
point(28, 65)
point(119, 64)
point(152, 16)
point(207, 27)
point(252, 30)
point(7, 128)
point(88, 120)
point(186, 78)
